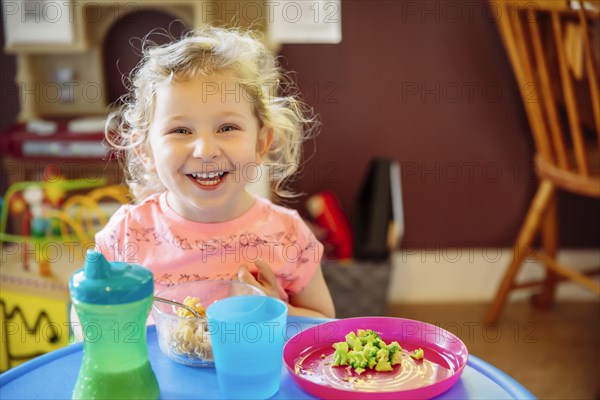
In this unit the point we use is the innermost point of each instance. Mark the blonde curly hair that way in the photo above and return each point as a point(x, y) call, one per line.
point(205, 52)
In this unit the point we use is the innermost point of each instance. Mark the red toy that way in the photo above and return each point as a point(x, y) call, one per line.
point(328, 214)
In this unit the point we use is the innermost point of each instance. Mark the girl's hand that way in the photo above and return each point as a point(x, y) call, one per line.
point(265, 279)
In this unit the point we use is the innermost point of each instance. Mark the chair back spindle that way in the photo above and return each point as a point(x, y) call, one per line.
point(551, 50)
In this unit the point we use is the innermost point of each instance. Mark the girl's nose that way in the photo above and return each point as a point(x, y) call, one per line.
point(206, 147)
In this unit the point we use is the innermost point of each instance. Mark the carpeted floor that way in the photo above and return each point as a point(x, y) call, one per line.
point(555, 354)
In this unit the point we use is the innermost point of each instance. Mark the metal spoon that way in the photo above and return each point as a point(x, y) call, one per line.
point(175, 303)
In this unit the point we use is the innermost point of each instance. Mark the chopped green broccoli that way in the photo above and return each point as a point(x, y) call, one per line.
point(379, 343)
point(393, 347)
point(396, 358)
point(370, 351)
point(395, 353)
point(357, 346)
point(351, 339)
point(366, 350)
point(357, 359)
point(372, 363)
point(383, 354)
point(417, 354)
point(340, 357)
point(383, 365)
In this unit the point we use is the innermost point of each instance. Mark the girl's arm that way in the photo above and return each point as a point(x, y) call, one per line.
point(313, 301)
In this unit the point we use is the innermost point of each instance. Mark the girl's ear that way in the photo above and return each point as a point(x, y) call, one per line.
point(264, 143)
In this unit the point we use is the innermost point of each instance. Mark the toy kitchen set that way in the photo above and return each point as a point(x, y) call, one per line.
point(59, 182)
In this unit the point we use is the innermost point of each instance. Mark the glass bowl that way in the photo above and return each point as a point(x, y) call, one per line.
point(186, 340)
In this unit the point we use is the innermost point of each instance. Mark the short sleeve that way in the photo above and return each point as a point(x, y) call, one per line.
point(309, 259)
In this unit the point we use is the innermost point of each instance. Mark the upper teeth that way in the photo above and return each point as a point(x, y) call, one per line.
point(209, 175)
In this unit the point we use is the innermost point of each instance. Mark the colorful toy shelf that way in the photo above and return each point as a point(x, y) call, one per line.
point(39, 255)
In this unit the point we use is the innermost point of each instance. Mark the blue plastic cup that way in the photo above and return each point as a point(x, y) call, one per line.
point(247, 335)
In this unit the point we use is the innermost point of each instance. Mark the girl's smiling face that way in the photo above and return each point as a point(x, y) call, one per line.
point(205, 143)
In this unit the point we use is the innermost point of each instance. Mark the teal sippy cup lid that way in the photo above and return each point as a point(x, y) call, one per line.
point(103, 282)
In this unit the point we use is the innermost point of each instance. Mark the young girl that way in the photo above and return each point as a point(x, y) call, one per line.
point(202, 114)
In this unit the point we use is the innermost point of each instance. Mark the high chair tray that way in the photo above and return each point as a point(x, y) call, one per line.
point(53, 376)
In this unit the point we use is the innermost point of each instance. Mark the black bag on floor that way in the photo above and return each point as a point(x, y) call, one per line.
point(374, 212)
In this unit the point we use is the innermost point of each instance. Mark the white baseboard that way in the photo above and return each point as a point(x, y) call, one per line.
point(474, 274)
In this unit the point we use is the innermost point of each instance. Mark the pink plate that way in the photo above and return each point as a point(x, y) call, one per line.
point(445, 358)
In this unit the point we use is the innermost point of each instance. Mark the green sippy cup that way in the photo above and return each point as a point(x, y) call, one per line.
point(112, 301)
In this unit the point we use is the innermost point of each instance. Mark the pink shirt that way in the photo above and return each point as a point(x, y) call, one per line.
point(178, 250)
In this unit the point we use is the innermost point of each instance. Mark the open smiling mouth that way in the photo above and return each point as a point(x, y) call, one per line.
point(209, 179)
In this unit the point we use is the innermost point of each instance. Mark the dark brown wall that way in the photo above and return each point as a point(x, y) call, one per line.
point(9, 100)
point(427, 84)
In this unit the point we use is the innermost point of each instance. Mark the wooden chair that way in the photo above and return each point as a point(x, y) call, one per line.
point(553, 58)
